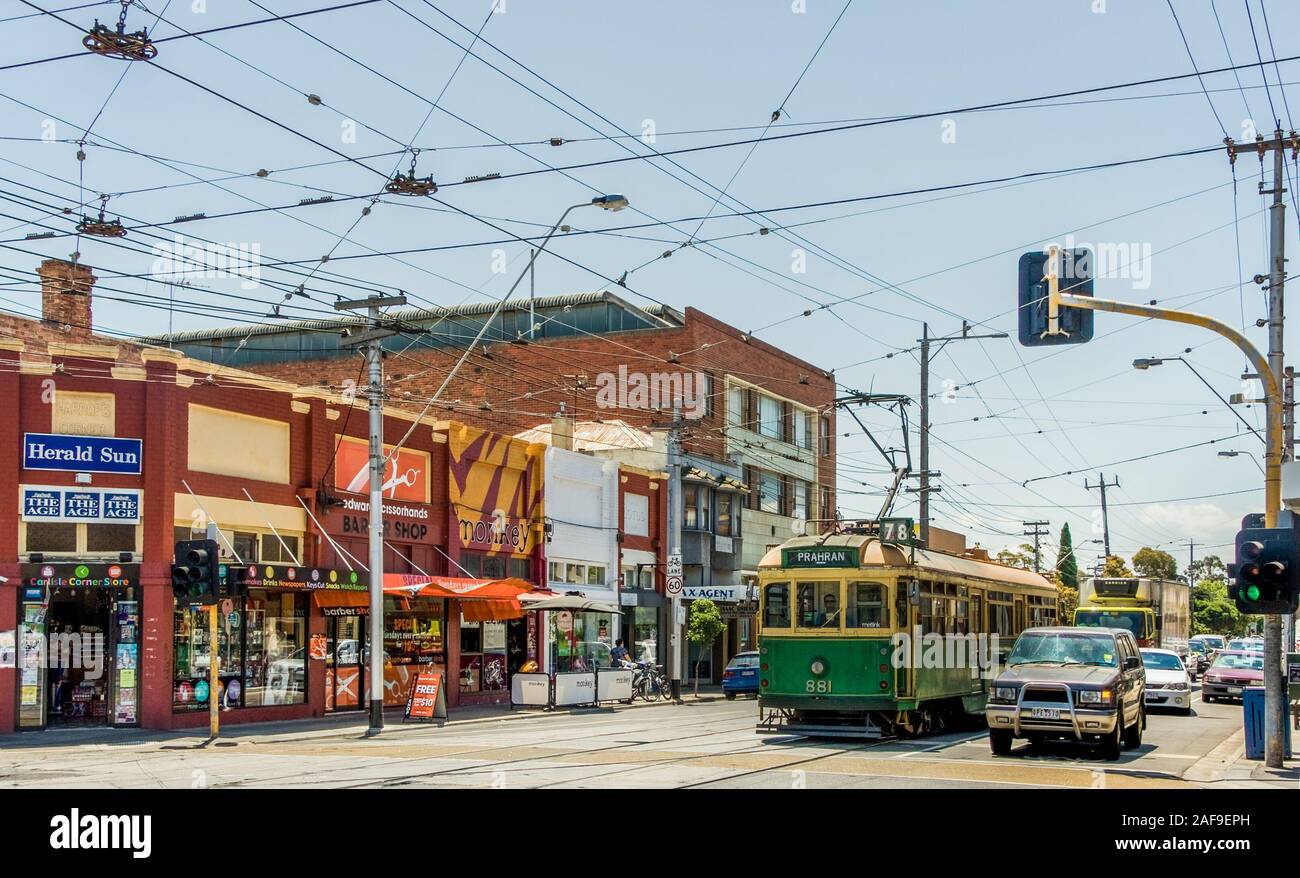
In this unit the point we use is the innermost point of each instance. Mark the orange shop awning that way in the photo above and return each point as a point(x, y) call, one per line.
point(482, 599)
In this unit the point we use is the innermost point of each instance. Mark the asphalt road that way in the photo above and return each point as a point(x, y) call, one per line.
point(698, 744)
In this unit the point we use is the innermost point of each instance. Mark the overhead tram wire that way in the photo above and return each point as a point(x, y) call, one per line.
point(187, 35)
point(1192, 59)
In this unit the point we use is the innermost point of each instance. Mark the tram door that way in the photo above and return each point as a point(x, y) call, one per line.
point(908, 591)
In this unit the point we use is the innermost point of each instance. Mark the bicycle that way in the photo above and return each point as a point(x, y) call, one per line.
point(649, 683)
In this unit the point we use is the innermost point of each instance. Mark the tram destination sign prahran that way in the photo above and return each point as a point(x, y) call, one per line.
point(820, 556)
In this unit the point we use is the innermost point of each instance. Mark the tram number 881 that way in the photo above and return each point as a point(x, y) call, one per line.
point(820, 686)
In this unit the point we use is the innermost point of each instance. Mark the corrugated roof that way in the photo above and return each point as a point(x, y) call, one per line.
point(596, 436)
point(414, 315)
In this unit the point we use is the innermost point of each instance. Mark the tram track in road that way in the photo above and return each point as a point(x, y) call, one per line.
point(471, 751)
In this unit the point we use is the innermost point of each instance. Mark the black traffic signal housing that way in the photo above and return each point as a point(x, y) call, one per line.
point(1075, 278)
point(195, 572)
point(1266, 569)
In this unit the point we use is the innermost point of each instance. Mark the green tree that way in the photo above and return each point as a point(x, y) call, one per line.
point(1024, 559)
point(1115, 567)
point(1155, 564)
point(1067, 601)
point(703, 627)
point(1067, 566)
point(1213, 612)
point(1209, 567)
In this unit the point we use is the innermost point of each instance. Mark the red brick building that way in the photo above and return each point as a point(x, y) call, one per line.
point(111, 452)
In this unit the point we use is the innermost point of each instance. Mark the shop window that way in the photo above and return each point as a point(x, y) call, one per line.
point(771, 493)
point(274, 553)
point(581, 641)
point(819, 605)
point(801, 489)
point(48, 536)
point(726, 507)
point(275, 667)
point(482, 656)
point(866, 607)
point(521, 568)
point(494, 567)
point(645, 635)
point(776, 605)
point(690, 506)
point(471, 565)
point(769, 417)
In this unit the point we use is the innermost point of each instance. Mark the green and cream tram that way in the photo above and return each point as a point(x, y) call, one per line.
point(859, 638)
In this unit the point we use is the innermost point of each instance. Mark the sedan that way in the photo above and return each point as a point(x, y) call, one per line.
point(1231, 673)
point(1168, 683)
point(741, 675)
point(1198, 658)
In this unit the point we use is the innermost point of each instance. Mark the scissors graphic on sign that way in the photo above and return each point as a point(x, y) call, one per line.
point(408, 478)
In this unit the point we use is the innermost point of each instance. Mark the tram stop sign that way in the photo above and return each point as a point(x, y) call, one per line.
point(1074, 276)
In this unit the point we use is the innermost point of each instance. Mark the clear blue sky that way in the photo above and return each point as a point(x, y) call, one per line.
point(683, 66)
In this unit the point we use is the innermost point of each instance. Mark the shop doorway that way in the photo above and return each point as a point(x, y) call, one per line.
point(80, 659)
point(345, 668)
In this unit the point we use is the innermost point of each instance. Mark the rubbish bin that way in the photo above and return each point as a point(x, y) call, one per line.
point(1252, 702)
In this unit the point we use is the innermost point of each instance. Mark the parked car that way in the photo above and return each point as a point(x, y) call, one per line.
point(741, 675)
point(1168, 683)
point(1231, 673)
point(1247, 644)
point(1077, 684)
point(1199, 657)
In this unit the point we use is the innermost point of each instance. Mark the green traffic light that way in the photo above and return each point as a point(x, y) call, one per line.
point(1252, 592)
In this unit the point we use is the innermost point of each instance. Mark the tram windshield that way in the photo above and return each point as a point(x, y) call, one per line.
point(819, 605)
point(1063, 649)
point(776, 605)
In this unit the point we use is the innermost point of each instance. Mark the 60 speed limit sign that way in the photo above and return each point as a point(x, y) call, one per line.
point(674, 586)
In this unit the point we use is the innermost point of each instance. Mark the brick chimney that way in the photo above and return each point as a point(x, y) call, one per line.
point(65, 294)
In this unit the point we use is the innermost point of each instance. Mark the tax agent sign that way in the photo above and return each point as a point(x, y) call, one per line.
point(820, 556)
point(82, 454)
point(89, 505)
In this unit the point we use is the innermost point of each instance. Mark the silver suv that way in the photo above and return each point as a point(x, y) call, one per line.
point(1075, 684)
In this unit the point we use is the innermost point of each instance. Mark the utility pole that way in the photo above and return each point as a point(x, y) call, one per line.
point(675, 633)
point(926, 341)
point(1275, 713)
point(1191, 560)
point(1288, 453)
point(372, 340)
point(1039, 530)
point(1105, 516)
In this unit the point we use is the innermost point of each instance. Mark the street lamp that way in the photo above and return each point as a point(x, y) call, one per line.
point(1146, 363)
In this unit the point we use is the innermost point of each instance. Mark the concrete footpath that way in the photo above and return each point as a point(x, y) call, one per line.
point(330, 726)
point(1226, 767)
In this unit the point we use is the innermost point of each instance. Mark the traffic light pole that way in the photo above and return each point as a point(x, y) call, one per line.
point(1275, 715)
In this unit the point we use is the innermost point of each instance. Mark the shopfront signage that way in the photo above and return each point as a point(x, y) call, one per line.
point(85, 505)
point(426, 700)
point(713, 592)
point(309, 578)
point(820, 556)
point(82, 454)
point(404, 522)
point(406, 478)
point(73, 575)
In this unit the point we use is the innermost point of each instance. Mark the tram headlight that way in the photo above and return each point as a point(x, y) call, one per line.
point(818, 667)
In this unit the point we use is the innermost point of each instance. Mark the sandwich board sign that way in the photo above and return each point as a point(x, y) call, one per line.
point(427, 699)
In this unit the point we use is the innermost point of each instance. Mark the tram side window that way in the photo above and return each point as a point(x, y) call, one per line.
point(776, 605)
point(819, 605)
point(866, 606)
point(1000, 620)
